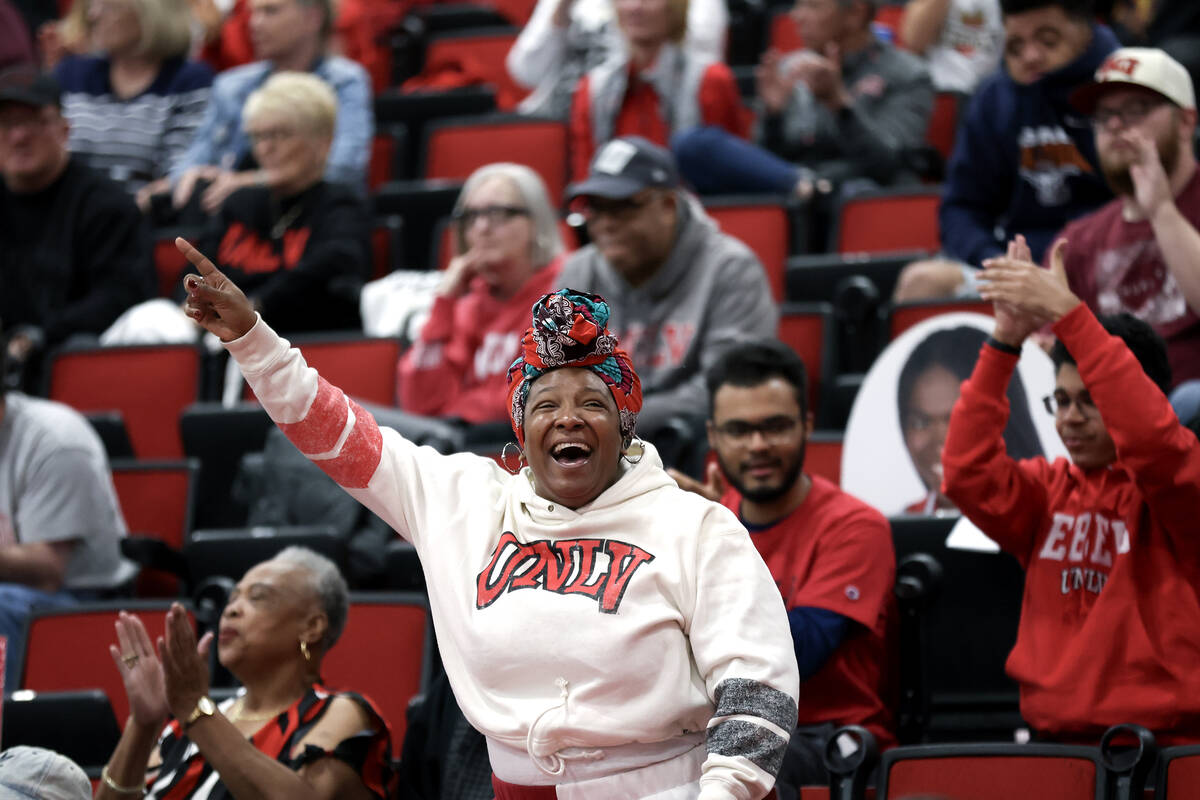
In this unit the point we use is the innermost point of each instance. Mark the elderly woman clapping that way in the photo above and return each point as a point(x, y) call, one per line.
point(284, 734)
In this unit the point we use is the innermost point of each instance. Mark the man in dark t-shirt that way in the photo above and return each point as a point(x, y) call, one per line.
point(1141, 252)
point(74, 252)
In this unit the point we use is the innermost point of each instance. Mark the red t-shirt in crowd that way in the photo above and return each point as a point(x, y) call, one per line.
point(835, 552)
point(1114, 265)
point(459, 365)
point(1110, 618)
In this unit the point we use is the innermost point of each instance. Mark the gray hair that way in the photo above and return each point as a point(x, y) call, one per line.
point(547, 239)
point(326, 582)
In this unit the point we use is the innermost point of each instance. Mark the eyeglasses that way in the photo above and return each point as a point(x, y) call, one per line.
point(1131, 113)
point(622, 210)
point(495, 215)
point(774, 430)
point(1060, 402)
point(270, 135)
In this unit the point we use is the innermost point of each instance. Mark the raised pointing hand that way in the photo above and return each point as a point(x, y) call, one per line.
point(214, 301)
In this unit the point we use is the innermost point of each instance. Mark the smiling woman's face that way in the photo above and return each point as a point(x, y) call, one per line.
point(572, 436)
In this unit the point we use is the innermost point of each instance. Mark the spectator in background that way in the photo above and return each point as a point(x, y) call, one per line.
point(16, 46)
point(509, 252)
point(134, 106)
point(74, 251)
point(960, 40)
point(298, 244)
point(681, 291)
point(1024, 160)
point(843, 109)
point(566, 38)
point(289, 35)
point(830, 554)
point(60, 523)
point(1108, 540)
point(1141, 252)
point(58, 38)
point(651, 87)
point(926, 392)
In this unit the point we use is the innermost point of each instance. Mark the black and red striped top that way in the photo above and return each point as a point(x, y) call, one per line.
point(184, 773)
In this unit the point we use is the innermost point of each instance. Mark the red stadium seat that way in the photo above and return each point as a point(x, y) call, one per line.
point(156, 501)
point(807, 328)
point(68, 648)
point(943, 124)
point(476, 51)
point(149, 384)
point(1178, 773)
point(169, 263)
point(385, 245)
point(991, 772)
point(764, 226)
point(888, 220)
point(364, 367)
point(455, 148)
point(383, 653)
point(823, 455)
point(902, 316)
point(784, 34)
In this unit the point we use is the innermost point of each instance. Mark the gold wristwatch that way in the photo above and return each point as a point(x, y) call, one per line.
point(205, 707)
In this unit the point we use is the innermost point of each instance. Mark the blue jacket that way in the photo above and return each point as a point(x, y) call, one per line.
point(1024, 162)
point(220, 139)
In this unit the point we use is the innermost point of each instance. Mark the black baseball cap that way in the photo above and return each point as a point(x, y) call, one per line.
point(625, 166)
point(26, 84)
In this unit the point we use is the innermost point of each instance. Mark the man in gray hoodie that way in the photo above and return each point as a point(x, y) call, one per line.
point(680, 290)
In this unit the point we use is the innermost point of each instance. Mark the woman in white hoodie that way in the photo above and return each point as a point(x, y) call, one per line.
point(610, 634)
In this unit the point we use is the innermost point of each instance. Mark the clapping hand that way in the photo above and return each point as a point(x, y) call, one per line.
point(1025, 295)
point(214, 301)
point(184, 663)
point(1151, 186)
point(141, 672)
point(775, 79)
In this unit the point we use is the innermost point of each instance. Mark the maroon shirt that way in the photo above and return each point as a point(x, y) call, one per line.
point(1114, 265)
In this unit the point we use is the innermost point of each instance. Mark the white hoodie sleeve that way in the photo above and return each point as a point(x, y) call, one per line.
point(540, 49)
point(743, 649)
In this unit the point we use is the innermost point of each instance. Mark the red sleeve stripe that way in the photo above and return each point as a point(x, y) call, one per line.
point(359, 457)
point(324, 423)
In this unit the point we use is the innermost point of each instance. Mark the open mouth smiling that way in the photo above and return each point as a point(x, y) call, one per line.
point(571, 454)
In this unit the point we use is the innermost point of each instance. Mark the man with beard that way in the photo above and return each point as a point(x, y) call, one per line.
point(830, 554)
point(1141, 253)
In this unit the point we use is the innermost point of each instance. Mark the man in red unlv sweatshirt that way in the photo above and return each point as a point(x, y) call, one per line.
point(1110, 541)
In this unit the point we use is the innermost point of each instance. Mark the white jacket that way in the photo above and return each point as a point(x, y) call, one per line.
point(646, 616)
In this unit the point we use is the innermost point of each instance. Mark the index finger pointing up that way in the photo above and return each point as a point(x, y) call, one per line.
point(198, 259)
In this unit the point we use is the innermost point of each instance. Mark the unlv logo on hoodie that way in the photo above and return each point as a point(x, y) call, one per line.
point(596, 568)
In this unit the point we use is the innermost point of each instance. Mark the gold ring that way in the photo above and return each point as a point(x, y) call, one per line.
point(130, 659)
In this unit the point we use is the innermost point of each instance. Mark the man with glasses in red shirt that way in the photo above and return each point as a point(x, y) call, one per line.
point(830, 554)
point(1108, 629)
point(681, 291)
point(1141, 253)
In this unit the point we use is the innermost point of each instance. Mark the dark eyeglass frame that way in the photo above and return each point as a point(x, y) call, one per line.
point(1131, 113)
point(495, 214)
point(773, 429)
point(1087, 409)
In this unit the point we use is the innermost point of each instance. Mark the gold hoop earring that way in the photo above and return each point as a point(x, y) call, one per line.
point(304, 650)
point(504, 457)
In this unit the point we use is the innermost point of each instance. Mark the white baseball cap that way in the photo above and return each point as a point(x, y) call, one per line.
point(1147, 67)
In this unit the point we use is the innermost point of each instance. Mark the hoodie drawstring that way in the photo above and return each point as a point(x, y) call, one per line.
point(555, 763)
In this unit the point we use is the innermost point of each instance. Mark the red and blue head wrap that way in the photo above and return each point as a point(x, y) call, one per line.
point(570, 329)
